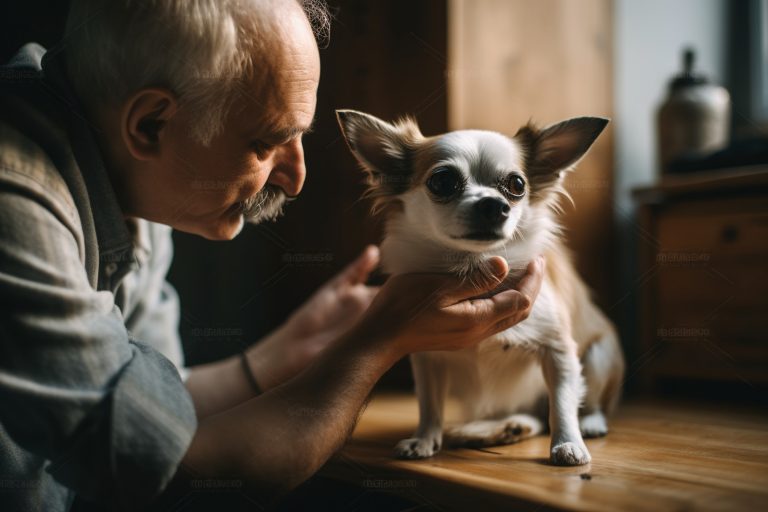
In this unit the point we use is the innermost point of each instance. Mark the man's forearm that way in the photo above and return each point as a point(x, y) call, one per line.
point(281, 438)
point(218, 386)
point(221, 385)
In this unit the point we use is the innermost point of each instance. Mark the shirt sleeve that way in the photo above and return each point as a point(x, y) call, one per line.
point(109, 412)
point(150, 304)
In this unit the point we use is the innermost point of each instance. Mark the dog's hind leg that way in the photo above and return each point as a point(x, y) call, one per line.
point(603, 374)
point(508, 430)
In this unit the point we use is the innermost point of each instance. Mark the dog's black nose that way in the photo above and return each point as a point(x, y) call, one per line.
point(492, 209)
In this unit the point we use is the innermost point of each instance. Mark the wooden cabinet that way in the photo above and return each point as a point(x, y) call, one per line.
point(703, 278)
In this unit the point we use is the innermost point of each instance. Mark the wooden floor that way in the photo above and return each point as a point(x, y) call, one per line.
point(657, 457)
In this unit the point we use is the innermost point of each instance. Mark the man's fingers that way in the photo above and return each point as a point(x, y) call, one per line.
point(508, 307)
point(509, 303)
point(510, 321)
point(358, 271)
point(514, 305)
point(478, 282)
point(367, 294)
point(530, 284)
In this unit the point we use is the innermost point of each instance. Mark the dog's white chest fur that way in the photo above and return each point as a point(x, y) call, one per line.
point(502, 375)
point(492, 381)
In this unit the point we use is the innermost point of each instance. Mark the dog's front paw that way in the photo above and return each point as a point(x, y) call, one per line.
point(593, 425)
point(417, 448)
point(570, 454)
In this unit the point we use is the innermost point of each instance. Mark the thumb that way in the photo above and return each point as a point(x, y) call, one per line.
point(482, 280)
point(358, 271)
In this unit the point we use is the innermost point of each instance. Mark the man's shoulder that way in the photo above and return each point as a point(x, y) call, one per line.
point(27, 169)
point(33, 144)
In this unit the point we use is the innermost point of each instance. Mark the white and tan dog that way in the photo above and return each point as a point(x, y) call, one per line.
point(451, 202)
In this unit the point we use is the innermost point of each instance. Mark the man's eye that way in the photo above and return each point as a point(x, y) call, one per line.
point(261, 147)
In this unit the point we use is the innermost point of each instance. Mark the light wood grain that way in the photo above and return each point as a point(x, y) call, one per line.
point(657, 457)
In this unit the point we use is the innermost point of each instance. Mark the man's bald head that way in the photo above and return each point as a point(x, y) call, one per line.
point(201, 50)
point(200, 104)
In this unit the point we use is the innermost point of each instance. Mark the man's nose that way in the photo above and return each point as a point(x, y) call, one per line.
point(289, 171)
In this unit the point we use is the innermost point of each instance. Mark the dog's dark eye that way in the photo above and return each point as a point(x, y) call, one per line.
point(445, 182)
point(515, 185)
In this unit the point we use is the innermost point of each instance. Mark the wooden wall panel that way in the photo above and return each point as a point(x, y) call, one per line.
point(546, 60)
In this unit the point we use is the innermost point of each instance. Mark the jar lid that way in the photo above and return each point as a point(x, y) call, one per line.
point(687, 77)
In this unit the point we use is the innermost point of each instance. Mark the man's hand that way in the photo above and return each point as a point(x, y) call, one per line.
point(330, 312)
point(422, 312)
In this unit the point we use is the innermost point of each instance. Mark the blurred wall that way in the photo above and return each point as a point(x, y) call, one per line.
point(649, 37)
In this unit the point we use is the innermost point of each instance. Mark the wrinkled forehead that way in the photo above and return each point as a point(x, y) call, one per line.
point(281, 87)
point(483, 155)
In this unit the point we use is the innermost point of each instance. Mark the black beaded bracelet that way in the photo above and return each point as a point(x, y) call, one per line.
point(249, 374)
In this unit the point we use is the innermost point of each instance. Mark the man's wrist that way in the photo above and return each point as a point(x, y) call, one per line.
point(272, 360)
point(370, 343)
point(249, 376)
point(261, 359)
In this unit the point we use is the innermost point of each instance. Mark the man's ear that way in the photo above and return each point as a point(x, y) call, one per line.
point(383, 149)
point(145, 116)
point(555, 149)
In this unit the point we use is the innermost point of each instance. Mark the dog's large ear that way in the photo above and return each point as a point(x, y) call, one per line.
point(383, 149)
point(556, 149)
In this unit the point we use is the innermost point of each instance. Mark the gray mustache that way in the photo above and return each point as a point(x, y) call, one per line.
point(267, 205)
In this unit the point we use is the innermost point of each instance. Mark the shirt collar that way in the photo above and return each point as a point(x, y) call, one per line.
point(142, 243)
point(114, 238)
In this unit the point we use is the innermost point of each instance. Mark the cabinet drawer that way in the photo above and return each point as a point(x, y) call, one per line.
point(716, 232)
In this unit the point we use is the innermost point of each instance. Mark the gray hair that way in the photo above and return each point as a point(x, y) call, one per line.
point(199, 49)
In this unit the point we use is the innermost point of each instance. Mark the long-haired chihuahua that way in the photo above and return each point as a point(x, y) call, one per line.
point(450, 203)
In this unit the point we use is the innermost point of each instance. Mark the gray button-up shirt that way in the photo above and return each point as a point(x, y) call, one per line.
point(91, 400)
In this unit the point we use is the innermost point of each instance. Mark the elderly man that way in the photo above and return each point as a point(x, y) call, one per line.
point(105, 142)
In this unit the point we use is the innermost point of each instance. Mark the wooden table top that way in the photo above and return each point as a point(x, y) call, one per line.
point(656, 457)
